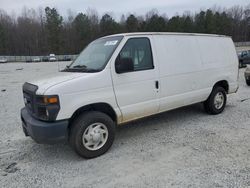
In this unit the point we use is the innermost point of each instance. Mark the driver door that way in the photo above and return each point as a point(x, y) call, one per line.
point(136, 91)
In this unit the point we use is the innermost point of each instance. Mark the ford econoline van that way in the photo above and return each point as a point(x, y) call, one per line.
point(124, 77)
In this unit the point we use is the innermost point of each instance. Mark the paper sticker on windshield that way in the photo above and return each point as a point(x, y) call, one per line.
point(111, 43)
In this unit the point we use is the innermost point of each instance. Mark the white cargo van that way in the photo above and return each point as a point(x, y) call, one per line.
point(124, 77)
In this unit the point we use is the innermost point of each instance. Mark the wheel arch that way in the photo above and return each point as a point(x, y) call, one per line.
point(100, 107)
point(222, 83)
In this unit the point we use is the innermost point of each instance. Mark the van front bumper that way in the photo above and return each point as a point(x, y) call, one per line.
point(44, 132)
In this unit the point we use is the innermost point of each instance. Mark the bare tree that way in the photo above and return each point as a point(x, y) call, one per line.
point(39, 32)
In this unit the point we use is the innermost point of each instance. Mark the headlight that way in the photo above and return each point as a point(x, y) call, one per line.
point(47, 107)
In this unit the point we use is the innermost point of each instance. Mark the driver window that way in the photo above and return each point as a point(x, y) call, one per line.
point(139, 51)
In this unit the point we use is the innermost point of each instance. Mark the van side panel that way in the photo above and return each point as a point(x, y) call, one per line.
point(219, 61)
point(233, 59)
point(189, 67)
point(180, 71)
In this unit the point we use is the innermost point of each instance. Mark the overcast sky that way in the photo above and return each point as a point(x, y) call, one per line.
point(119, 7)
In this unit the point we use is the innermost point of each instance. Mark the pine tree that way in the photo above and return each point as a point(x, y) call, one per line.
point(53, 27)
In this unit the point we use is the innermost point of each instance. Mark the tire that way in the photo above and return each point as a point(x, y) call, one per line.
point(248, 82)
point(240, 64)
point(213, 107)
point(88, 128)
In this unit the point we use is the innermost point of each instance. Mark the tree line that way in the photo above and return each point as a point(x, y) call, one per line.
point(44, 31)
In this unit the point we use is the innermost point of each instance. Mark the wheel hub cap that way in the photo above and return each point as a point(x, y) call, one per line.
point(219, 100)
point(95, 136)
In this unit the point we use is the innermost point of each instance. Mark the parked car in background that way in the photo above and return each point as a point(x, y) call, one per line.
point(67, 58)
point(3, 60)
point(45, 59)
point(52, 57)
point(244, 58)
point(247, 75)
point(28, 60)
point(64, 58)
point(36, 59)
point(124, 77)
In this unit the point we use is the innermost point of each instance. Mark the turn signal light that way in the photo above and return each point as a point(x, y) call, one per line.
point(50, 100)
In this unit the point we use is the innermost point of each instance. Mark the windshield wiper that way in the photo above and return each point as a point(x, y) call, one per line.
point(80, 68)
point(90, 70)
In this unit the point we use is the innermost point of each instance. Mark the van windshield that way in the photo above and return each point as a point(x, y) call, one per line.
point(95, 56)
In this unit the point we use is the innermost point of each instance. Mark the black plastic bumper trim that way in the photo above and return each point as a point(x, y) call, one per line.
point(44, 132)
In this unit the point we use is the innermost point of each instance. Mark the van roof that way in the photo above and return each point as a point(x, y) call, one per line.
point(168, 33)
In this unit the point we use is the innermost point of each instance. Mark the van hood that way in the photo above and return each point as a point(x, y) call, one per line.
point(48, 81)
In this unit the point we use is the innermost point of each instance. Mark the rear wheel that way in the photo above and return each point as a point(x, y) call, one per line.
point(216, 102)
point(92, 134)
point(240, 64)
point(248, 82)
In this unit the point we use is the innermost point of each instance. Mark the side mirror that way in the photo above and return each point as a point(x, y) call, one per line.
point(123, 65)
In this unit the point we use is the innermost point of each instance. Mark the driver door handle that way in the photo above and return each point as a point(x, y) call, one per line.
point(157, 84)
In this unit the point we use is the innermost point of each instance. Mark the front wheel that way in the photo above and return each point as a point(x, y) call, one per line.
point(92, 134)
point(216, 102)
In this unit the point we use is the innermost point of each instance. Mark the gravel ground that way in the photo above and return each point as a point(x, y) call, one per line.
point(181, 148)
